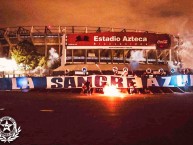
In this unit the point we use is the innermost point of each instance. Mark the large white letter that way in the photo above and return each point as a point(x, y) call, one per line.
point(95, 38)
point(14, 84)
point(181, 80)
point(167, 82)
point(55, 82)
point(152, 81)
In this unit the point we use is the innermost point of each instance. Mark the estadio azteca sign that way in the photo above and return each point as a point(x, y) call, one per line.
point(113, 40)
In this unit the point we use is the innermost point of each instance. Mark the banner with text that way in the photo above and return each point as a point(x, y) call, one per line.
point(97, 81)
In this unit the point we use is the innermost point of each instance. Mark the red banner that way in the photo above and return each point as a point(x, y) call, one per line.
point(136, 40)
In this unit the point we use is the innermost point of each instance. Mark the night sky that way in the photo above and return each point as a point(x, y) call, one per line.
point(168, 16)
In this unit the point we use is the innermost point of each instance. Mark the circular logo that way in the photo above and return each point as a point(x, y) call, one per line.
point(8, 129)
point(148, 71)
point(115, 69)
point(125, 69)
point(84, 69)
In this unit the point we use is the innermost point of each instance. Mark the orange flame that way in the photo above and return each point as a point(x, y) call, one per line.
point(112, 91)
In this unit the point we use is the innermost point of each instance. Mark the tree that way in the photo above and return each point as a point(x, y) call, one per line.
point(43, 62)
point(25, 53)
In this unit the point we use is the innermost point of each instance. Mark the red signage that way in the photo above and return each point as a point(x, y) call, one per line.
point(115, 40)
point(163, 41)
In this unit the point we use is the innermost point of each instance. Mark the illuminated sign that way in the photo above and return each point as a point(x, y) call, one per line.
point(114, 40)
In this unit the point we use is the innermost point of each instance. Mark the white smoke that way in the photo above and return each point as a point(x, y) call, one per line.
point(175, 66)
point(53, 57)
point(185, 46)
point(136, 56)
point(8, 64)
point(40, 71)
point(186, 51)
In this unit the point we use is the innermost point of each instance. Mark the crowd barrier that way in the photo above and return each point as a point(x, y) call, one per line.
point(97, 81)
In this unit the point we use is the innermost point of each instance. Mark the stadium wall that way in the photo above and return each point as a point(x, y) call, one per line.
point(46, 37)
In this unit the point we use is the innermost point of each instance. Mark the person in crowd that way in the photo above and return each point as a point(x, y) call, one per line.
point(86, 88)
point(131, 88)
point(186, 86)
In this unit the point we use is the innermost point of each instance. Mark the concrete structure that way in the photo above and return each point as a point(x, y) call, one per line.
point(46, 37)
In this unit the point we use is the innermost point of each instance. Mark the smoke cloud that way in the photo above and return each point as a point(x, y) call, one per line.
point(53, 57)
point(8, 64)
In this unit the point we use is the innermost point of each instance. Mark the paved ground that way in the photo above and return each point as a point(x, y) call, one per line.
point(60, 118)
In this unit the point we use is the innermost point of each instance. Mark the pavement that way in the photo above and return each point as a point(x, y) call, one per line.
point(67, 118)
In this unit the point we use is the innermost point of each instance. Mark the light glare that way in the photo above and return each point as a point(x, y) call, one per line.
point(112, 91)
point(8, 64)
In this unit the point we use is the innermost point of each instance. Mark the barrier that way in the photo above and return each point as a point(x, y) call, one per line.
point(67, 82)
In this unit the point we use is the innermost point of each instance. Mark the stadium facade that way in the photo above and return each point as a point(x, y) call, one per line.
point(92, 44)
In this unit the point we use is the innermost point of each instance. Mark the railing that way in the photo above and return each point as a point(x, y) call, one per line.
point(46, 30)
